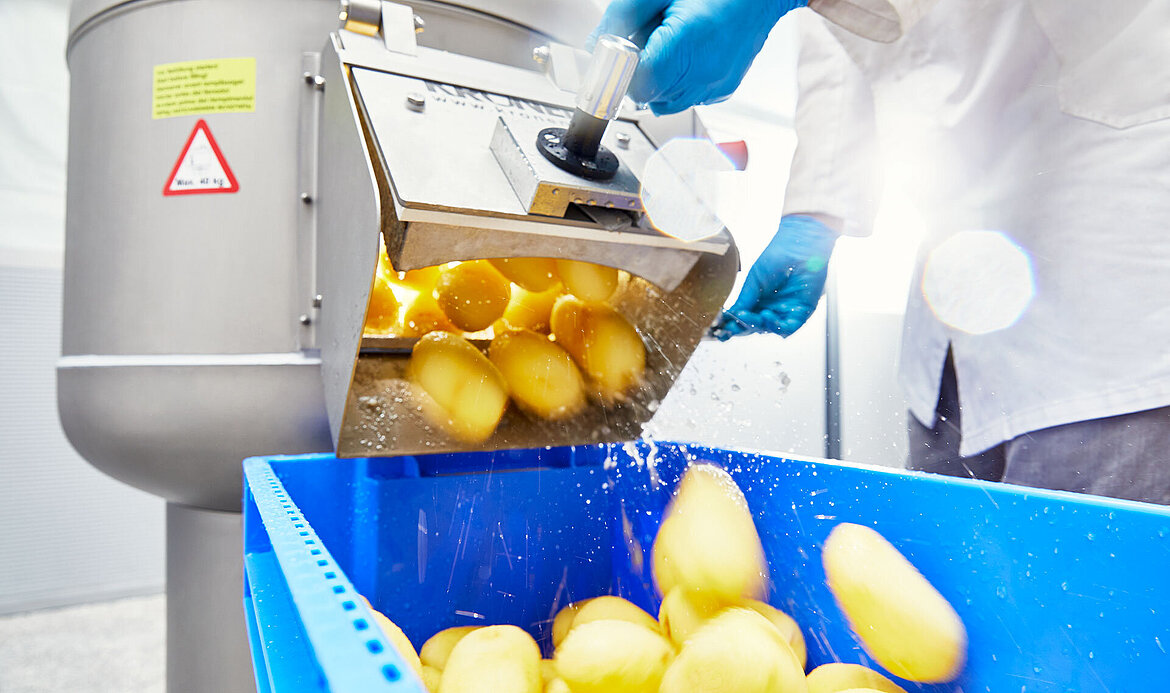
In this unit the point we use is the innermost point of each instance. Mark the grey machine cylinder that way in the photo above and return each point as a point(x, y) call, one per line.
point(187, 317)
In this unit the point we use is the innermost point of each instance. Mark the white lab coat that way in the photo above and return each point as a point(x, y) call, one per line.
point(1047, 120)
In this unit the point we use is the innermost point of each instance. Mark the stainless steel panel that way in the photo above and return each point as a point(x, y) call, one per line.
point(349, 216)
point(148, 274)
point(567, 21)
point(205, 615)
point(179, 426)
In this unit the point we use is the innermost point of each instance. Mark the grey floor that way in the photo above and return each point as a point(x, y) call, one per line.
point(108, 647)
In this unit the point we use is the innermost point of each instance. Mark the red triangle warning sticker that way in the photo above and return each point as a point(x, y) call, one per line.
point(201, 167)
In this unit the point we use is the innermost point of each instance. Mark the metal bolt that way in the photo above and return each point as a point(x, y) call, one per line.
point(315, 81)
point(623, 140)
point(317, 301)
point(305, 320)
point(306, 198)
point(416, 101)
point(420, 24)
point(540, 54)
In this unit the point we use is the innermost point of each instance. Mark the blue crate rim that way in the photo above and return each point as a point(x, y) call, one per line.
point(321, 590)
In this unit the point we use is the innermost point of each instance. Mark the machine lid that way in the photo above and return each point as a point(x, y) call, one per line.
point(567, 21)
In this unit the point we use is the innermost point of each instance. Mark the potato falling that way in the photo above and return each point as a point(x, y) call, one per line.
point(606, 346)
point(529, 310)
point(382, 312)
point(541, 375)
point(535, 274)
point(424, 316)
point(707, 543)
point(901, 619)
point(587, 281)
point(467, 393)
point(473, 295)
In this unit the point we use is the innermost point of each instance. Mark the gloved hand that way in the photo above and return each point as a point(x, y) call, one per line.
point(695, 51)
point(786, 282)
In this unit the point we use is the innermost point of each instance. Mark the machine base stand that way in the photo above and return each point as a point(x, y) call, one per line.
point(207, 639)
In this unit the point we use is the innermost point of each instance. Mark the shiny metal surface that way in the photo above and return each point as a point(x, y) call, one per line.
point(605, 83)
point(361, 16)
point(566, 21)
point(546, 189)
point(205, 612)
point(179, 425)
point(349, 217)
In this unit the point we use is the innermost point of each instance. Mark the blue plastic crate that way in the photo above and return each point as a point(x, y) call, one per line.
point(1059, 592)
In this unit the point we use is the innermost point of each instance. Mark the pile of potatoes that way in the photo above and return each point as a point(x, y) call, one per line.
point(713, 633)
point(555, 345)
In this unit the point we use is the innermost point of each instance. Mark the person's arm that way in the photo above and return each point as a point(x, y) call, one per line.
point(697, 51)
point(832, 190)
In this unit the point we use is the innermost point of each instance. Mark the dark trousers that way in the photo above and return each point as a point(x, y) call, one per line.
point(1125, 456)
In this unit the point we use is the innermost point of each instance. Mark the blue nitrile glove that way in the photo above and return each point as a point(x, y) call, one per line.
point(695, 51)
point(785, 284)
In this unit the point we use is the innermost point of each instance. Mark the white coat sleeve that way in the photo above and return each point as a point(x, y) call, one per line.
point(877, 20)
point(834, 169)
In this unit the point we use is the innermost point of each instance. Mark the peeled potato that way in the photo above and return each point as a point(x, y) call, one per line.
point(567, 321)
point(472, 294)
point(587, 281)
point(529, 273)
point(612, 656)
point(541, 375)
point(738, 651)
point(437, 649)
point(836, 678)
point(423, 279)
point(399, 641)
point(468, 391)
point(604, 344)
point(902, 620)
point(682, 613)
point(614, 356)
point(707, 543)
point(784, 623)
point(431, 677)
point(382, 312)
point(493, 659)
point(530, 311)
point(563, 621)
point(610, 608)
point(424, 316)
point(548, 671)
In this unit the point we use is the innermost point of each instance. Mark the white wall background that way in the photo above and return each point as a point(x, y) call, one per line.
point(67, 532)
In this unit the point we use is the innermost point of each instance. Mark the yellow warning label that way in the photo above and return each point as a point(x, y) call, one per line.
point(197, 87)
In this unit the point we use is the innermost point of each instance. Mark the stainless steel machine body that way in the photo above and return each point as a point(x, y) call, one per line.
point(201, 329)
point(411, 144)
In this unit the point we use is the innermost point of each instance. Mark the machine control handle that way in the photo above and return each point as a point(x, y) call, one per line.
point(577, 149)
point(608, 77)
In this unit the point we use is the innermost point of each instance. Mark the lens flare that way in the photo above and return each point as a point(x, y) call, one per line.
point(680, 186)
point(978, 281)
